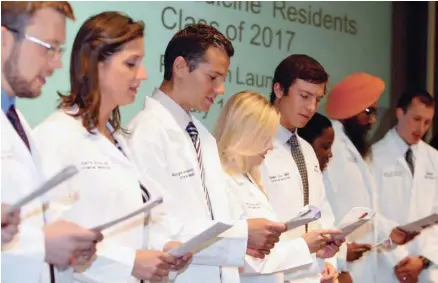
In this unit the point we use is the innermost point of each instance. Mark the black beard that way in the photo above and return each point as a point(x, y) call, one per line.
point(357, 133)
point(18, 84)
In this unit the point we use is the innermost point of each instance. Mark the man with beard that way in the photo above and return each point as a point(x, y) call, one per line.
point(351, 105)
point(32, 34)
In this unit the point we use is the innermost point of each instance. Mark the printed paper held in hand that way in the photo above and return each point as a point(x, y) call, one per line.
point(147, 206)
point(308, 214)
point(357, 217)
point(421, 224)
point(201, 240)
point(51, 183)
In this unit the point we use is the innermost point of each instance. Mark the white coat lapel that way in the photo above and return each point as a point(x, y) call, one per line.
point(360, 162)
point(16, 141)
point(419, 189)
point(250, 184)
point(178, 136)
point(119, 156)
point(34, 150)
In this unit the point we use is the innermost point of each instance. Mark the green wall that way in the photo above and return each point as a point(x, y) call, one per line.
point(344, 36)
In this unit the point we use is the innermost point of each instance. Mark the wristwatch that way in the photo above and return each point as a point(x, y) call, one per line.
point(426, 262)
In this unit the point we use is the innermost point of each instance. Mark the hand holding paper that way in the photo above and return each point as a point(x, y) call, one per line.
point(308, 214)
point(319, 239)
point(65, 241)
point(10, 222)
point(263, 234)
point(152, 265)
point(356, 250)
point(181, 262)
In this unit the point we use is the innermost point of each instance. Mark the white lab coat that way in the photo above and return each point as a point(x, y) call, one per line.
point(22, 259)
point(162, 149)
point(283, 185)
point(287, 255)
point(404, 198)
point(107, 187)
point(349, 184)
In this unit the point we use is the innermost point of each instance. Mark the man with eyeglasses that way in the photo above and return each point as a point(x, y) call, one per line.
point(32, 33)
point(351, 105)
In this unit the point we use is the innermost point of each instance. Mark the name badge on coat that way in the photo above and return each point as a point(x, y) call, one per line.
point(184, 174)
point(352, 158)
point(316, 169)
point(279, 177)
point(391, 174)
point(7, 153)
point(253, 204)
point(430, 176)
point(95, 165)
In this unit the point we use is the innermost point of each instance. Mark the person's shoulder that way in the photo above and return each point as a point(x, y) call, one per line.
point(431, 151)
point(59, 124)
point(144, 124)
point(382, 143)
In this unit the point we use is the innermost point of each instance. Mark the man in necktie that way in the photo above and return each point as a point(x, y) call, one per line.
point(32, 34)
point(410, 194)
point(291, 172)
point(196, 63)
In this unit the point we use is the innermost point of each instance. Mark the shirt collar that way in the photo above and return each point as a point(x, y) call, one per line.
point(399, 144)
point(284, 135)
point(7, 101)
point(181, 117)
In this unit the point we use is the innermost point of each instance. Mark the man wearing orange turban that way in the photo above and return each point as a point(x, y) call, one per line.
point(351, 105)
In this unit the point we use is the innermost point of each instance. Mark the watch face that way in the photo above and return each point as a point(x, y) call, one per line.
point(426, 262)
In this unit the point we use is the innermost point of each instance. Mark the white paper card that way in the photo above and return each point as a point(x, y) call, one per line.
point(51, 183)
point(308, 214)
point(197, 242)
point(421, 224)
point(147, 206)
point(357, 217)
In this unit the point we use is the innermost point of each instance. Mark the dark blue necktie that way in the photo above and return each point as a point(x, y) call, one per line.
point(15, 121)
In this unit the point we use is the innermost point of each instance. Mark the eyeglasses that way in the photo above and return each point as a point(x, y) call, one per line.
point(51, 50)
point(370, 111)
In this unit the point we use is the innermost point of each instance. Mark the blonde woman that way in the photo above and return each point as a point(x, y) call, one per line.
point(244, 133)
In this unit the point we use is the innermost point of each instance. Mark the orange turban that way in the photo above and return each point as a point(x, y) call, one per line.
point(353, 95)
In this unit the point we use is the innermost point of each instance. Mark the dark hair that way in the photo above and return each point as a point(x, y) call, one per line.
point(191, 43)
point(314, 127)
point(406, 98)
point(298, 66)
point(17, 14)
point(434, 142)
point(99, 38)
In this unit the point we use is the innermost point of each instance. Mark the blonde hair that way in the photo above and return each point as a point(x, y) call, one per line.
point(247, 122)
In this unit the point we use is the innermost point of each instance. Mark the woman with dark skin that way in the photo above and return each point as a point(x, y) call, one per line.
point(319, 133)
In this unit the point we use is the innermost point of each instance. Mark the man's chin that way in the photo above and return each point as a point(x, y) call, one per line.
point(29, 95)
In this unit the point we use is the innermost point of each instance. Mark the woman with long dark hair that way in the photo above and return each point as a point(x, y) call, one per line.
point(105, 72)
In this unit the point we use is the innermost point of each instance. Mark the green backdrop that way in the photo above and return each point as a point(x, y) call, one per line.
point(344, 36)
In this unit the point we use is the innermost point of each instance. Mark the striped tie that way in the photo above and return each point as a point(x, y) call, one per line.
point(194, 135)
point(410, 160)
point(298, 156)
point(15, 121)
point(144, 192)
